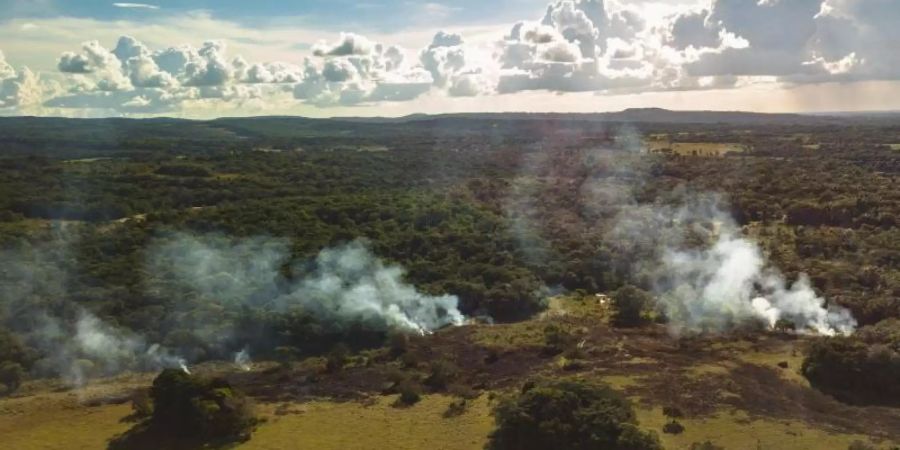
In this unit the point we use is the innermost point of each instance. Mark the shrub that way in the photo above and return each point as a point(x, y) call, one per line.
point(337, 358)
point(556, 339)
point(410, 393)
point(571, 415)
point(11, 376)
point(629, 303)
point(673, 427)
point(785, 326)
point(190, 406)
point(398, 343)
point(456, 408)
point(442, 374)
point(672, 412)
point(853, 370)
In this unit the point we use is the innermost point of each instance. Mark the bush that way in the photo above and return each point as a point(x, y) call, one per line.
point(456, 408)
point(556, 339)
point(673, 427)
point(11, 376)
point(442, 374)
point(853, 370)
point(410, 393)
point(398, 343)
point(190, 406)
point(337, 358)
point(672, 412)
point(629, 303)
point(571, 415)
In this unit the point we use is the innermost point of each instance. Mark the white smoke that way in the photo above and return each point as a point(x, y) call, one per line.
point(74, 343)
point(346, 283)
point(709, 277)
point(242, 359)
point(349, 281)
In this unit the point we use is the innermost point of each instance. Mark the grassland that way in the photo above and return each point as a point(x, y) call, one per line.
point(694, 148)
point(739, 392)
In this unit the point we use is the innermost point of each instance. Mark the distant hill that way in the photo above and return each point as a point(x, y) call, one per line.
point(637, 115)
point(73, 138)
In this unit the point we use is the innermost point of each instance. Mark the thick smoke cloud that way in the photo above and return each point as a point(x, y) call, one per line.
point(343, 284)
point(710, 278)
point(682, 245)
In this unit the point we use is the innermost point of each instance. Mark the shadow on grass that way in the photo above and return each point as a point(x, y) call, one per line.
point(147, 435)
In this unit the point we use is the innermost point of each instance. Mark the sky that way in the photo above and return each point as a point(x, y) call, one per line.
point(322, 58)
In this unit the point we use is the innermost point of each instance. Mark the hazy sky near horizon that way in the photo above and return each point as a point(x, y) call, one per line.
point(207, 58)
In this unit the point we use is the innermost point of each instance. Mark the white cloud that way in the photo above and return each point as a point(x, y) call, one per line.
point(135, 5)
point(19, 90)
point(599, 47)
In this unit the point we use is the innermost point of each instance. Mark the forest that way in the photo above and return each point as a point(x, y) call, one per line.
point(199, 240)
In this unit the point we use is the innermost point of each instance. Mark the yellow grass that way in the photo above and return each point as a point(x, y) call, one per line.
point(512, 335)
point(736, 431)
point(694, 148)
point(346, 426)
point(50, 420)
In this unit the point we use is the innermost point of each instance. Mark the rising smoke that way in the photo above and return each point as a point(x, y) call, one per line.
point(710, 278)
point(222, 275)
point(73, 343)
point(343, 284)
point(682, 244)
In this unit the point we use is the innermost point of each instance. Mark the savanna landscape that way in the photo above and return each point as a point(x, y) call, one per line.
point(645, 279)
point(450, 225)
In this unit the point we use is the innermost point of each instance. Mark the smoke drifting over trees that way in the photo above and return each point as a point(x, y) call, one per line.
point(345, 283)
point(682, 244)
point(342, 285)
point(710, 278)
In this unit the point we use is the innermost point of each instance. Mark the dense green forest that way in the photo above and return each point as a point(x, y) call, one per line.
point(498, 212)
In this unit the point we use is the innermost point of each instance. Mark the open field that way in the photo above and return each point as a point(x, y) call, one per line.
point(693, 148)
point(732, 392)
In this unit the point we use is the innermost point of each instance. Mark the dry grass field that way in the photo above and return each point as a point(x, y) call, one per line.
point(706, 149)
point(740, 393)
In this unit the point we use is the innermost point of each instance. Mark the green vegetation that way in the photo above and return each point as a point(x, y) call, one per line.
point(631, 305)
point(192, 409)
point(861, 368)
point(568, 414)
point(500, 213)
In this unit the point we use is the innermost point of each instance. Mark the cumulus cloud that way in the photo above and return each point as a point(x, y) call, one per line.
point(18, 88)
point(133, 78)
point(573, 46)
point(355, 70)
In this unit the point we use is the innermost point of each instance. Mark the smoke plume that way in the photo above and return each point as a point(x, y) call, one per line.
point(682, 244)
point(709, 277)
point(73, 343)
point(343, 284)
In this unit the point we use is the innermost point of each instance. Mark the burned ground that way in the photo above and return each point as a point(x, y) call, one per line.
point(702, 376)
